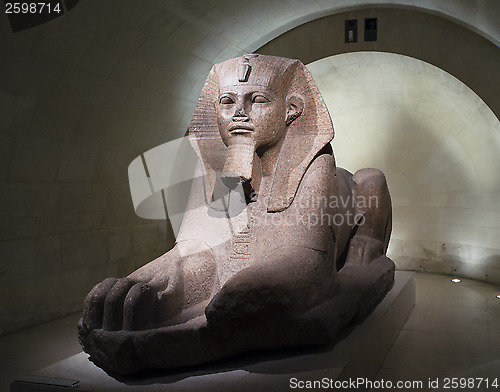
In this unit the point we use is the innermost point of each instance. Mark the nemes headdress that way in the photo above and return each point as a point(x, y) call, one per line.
point(305, 136)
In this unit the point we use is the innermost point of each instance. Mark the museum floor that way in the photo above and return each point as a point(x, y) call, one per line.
point(453, 331)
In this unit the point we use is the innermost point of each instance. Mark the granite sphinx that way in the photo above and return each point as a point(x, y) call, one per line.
point(278, 246)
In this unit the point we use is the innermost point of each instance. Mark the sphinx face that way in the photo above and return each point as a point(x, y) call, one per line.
point(251, 112)
point(250, 119)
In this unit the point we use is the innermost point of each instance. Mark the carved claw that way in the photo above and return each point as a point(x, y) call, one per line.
point(93, 308)
point(137, 307)
point(113, 305)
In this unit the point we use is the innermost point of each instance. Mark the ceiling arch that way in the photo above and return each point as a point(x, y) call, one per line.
point(412, 32)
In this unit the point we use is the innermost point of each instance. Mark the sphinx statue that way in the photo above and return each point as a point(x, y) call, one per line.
point(303, 242)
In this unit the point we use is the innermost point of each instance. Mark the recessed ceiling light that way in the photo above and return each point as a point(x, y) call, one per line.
point(498, 296)
point(456, 280)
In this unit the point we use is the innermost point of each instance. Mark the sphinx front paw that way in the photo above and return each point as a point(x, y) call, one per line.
point(127, 304)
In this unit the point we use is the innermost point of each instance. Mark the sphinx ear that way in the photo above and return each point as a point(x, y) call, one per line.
point(294, 107)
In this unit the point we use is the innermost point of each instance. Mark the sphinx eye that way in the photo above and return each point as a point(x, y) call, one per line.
point(226, 100)
point(259, 99)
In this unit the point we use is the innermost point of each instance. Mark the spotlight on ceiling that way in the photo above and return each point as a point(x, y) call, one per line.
point(498, 296)
point(456, 280)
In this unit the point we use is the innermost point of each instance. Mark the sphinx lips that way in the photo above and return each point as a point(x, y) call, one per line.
point(240, 131)
point(240, 128)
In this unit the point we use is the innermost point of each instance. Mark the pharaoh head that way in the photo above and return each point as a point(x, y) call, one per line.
point(260, 113)
point(254, 111)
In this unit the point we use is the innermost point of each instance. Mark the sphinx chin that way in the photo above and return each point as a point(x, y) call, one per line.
point(238, 165)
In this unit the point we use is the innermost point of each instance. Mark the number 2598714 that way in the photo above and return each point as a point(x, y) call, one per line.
point(32, 8)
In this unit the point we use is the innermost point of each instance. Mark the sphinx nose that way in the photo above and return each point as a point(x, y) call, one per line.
point(240, 115)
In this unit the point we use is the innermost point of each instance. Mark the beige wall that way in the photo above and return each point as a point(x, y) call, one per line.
point(82, 96)
point(438, 144)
